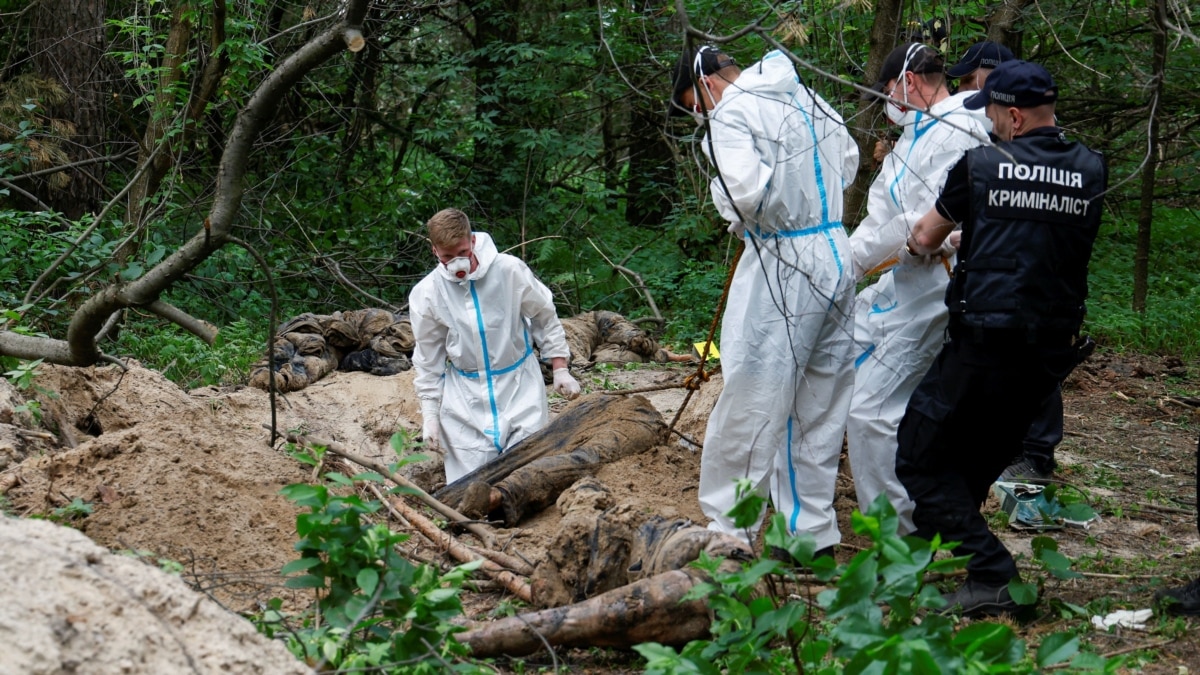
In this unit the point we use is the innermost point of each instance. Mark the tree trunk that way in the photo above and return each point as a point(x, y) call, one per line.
point(1141, 259)
point(166, 106)
point(68, 44)
point(80, 348)
point(651, 167)
point(884, 30)
point(496, 25)
point(1001, 22)
point(647, 610)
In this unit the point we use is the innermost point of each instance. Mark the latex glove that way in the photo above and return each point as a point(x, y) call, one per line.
point(906, 259)
point(564, 384)
point(431, 427)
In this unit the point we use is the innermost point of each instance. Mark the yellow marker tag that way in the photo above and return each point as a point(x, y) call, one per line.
point(713, 354)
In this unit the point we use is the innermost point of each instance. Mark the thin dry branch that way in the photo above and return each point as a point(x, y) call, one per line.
point(336, 448)
point(517, 585)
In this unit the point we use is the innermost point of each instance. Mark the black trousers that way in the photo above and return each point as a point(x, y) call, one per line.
point(1046, 432)
point(964, 424)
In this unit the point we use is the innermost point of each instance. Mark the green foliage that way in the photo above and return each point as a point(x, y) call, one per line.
point(846, 630)
point(163, 563)
point(21, 374)
point(187, 360)
point(76, 510)
point(1171, 323)
point(375, 610)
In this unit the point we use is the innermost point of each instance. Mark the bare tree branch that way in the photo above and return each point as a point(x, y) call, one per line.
point(199, 327)
point(144, 292)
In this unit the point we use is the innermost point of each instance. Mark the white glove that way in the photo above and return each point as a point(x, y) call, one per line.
point(431, 426)
point(564, 384)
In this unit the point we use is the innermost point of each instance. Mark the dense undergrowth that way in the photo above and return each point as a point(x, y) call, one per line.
point(690, 292)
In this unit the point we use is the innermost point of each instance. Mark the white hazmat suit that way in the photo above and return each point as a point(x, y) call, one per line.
point(474, 354)
point(784, 157)
point(900, 320)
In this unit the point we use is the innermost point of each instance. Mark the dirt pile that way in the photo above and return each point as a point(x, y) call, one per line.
point(70, 604)
point(192, 477)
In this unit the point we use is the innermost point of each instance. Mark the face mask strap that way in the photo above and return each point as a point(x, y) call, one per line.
point(913, 50)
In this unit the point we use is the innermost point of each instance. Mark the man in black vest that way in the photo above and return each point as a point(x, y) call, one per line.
point(1030, 209)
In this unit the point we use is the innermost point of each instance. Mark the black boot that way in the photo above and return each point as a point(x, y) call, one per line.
point(975, 598)
point(1180, 600)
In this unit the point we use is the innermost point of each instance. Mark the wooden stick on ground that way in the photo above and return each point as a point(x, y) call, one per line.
point(649, 609)
point(504, 560)
point(517, 585)
point(475, 528)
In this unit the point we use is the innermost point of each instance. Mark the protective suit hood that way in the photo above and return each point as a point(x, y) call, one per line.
point(783, 153)
point(774, 73)
point(485, 252)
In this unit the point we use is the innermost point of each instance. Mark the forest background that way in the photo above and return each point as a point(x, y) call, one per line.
point(132, 130)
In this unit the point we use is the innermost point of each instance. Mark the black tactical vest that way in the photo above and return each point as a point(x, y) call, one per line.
point(1022, 267)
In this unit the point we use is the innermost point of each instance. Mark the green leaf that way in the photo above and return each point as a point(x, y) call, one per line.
point(749, 505)
point(438, 595)
point(368, 580)
point(989, 639)
point(1022, 593)
point(306, 581)
point(132, 271)
point(305, 495)
point(1057, 648)
point(300, 565)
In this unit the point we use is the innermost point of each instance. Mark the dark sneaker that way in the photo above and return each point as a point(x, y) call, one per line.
point(1180, 600)
point(975, 598)
point(1024, 471)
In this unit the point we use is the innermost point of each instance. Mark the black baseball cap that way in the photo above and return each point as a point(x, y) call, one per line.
point(694, 62)
point(1015, 84)
point(911, 57)
point(985, 54)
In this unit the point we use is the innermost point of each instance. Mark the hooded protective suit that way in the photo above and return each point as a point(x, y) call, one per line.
point(784, 157)
point(474, 354)
point(900, 320)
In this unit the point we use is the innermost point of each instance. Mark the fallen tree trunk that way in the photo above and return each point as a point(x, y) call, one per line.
point(649, 610)
point(607, 425)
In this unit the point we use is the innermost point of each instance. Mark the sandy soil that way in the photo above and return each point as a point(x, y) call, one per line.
point(192, 477)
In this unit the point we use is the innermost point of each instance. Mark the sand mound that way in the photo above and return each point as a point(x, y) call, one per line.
point(72, 606)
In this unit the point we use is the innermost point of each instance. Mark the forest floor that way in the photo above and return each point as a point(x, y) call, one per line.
point(191, 477)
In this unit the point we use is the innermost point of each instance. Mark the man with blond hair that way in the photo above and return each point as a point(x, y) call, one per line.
point(476, 319)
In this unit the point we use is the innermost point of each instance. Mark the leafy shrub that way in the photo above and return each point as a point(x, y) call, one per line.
point(845, 629)
point(186, 360)
point(375, 611)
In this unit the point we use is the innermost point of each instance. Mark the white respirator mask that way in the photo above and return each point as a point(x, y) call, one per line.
point(459, 267)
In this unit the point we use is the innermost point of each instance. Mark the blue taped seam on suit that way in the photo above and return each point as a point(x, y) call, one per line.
point(862, 358)
point(792, 480)
point(487, 370)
